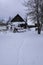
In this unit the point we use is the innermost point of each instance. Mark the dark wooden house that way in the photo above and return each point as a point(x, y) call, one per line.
point(19, 20)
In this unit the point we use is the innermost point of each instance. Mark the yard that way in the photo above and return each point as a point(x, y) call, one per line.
point(25, 48)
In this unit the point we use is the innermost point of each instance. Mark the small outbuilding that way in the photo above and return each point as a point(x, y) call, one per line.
point(3, 26)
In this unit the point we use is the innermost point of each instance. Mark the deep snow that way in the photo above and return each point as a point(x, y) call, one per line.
point(25, 48)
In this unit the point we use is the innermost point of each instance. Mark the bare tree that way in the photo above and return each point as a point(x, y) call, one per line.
point(33, 8)
point(8, 23)
point(41, 12)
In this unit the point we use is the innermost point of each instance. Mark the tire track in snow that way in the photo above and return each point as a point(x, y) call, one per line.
point(20, 46)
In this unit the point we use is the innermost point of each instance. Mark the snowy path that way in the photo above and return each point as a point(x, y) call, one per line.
point(21, 48)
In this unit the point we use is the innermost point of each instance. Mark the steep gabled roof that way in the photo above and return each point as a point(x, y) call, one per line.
point(17, 18)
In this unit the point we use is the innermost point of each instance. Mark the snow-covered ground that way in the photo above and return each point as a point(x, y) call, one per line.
point(25, 48)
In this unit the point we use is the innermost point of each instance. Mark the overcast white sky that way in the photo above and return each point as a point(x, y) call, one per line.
point(11, 8)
